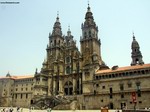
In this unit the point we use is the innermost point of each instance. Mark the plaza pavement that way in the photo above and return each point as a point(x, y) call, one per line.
point(27, 110)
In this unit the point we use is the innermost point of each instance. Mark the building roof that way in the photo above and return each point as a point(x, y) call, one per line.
point(126, 68)
point(17, 77)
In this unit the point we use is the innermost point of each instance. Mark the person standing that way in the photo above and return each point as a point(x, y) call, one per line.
point(49, 110)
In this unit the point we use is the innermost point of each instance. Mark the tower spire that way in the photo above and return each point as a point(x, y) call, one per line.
point(136, 54)
point(133, 36)
point(57, 27)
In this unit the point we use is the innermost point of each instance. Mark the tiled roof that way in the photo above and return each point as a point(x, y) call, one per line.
point(17, 77)
point(126, 68)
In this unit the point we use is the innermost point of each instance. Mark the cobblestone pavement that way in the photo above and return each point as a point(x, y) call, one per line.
point(27, 110)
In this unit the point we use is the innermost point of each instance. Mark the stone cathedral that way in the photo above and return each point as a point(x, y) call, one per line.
point(73, 79)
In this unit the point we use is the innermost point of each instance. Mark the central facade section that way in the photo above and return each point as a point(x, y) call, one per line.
point(66, 68)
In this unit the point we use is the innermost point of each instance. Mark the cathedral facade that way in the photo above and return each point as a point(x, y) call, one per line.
point(80, 75)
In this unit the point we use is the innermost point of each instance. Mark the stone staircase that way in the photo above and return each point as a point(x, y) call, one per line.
point(50, 102)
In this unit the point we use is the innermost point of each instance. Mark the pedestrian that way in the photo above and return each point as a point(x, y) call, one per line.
point(49, 110)
point(18, 108)
point(29, 109)
point(21, 110)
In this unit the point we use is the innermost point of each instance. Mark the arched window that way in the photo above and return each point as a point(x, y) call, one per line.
point(59, 42)
point(89, 33)
point(67, 59)
point(68, 69)
point(68, 88)
point(85, 35)
point(54, 42)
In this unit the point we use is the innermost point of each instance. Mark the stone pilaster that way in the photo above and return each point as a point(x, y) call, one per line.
point(74, 85)
point(49, 86)
point(60, 86)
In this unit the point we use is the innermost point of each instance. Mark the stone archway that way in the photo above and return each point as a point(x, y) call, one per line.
point(68, 88)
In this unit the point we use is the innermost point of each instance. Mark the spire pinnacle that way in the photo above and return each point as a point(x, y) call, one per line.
point(57, 19)
point(68, 27)
point(69, 32)
point(88, 7)
point(133, 36)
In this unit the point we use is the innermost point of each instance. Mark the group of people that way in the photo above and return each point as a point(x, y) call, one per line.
point(18, 109)
point(7, 110)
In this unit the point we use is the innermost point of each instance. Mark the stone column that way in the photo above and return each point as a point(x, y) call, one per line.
point(60, 86)
point(49, 86)
point(79, 84)
point(54, 86)
point(74, 85)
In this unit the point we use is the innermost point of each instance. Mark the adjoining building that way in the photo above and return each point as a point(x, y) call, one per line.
point(80, 75)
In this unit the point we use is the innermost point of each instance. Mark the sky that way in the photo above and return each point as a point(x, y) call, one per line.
point(24, 30)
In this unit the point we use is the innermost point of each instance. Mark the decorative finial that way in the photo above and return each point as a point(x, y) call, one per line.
point(133, 36)
point(69, 27)
point(57, 16)
point(57, 13)
point(88, 7)
point(88, 3)
point(69, 32)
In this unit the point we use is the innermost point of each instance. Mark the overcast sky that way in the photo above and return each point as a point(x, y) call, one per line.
point(24, 30)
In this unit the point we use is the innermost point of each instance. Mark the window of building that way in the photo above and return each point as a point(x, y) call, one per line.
point(16, 89)
point(121, 87)
point(84, 34)
point(54, 42)
point(67, 59)
point(122, 95)
point(89, 33)
point(111, 96)
point(26, 96)
point(26, 89)
point(21, 89)
point(21, 96)
point(140, 101)
point(129, 85)
point(59, 42)
point(103, 87)
point(97, 85)
point(111, 90)
point(138, 85)
point(101, 100)
point(68, 69)
point(16, 96)
point(68, 88)
point(111, 93)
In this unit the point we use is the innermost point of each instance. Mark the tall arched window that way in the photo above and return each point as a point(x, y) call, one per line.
point(84, 34)
point(89, 33)
point(68, 69)
point(59, 42)
point(68, 88)
point(54, 42)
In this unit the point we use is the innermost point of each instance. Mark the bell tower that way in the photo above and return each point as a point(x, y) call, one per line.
point(90, 43)
point(136, 54)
